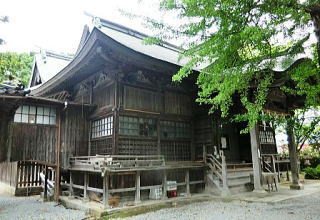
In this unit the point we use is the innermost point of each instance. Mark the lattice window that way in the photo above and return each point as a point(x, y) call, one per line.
point(172, 129)
point(135, 126)
point(137, 147)
point(35, 115)
point(102, 127)
point(176, 150)
point(101, 146)
point(266, 137)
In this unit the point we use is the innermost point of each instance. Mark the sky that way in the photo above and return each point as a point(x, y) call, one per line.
point(57, 24)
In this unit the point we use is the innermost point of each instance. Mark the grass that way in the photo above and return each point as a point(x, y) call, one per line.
point(155, 207)
point(139, 210)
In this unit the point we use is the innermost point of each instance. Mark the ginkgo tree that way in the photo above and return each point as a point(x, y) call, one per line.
point(244, 41)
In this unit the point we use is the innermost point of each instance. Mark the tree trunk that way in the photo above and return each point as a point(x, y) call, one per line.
point(293, 157)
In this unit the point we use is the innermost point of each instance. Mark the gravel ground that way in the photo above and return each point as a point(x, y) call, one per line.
point(307, 207)
point(33, 208)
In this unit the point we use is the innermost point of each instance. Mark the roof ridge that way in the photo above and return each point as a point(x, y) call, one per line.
point(126, 30)
point(54, 54)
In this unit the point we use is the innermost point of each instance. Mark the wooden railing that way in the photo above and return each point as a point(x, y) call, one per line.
point(24, 176)
point(116, 162)
point(268, 163)
point(218, 166)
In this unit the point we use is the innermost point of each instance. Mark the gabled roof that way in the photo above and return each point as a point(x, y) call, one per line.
point(108, 37)
point(46, 65)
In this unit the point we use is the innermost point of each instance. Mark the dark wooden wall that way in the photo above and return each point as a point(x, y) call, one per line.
point(74, 133)
point(4, 123)
point(32, 142)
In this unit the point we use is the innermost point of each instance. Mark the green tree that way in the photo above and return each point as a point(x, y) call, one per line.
point(306, 128)
point(15, 67)
point(239, 39)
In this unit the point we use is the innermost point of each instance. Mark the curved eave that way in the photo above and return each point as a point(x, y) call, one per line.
point(98, 39)
point(69, 70)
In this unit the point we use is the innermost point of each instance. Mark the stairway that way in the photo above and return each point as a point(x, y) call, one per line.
point(238, 180)
point(223, 181)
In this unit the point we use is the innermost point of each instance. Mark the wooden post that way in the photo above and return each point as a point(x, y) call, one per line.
point(158, 136)
point(58, 149)
point(204, 154)
point(45, 194)
point(273, 164)
point(85, 185)
point(105, 191)
point(254, 138)
point(225, 187)
point(137, 199)
point(293, 159)
point(187, 180)
point(71, 185)
point(164, 184)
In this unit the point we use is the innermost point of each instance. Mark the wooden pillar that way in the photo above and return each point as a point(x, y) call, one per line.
point(137, 199)
point(45, 194)
point(164, 184)
point(225, 186)
point(158, 137)
point(204, 153)
point(105, 191)
point(254, 138)
point(187, 181)
point(193, 146)
point(293, 159)
point(70, 184)
point(58, 150)
point(85, 185)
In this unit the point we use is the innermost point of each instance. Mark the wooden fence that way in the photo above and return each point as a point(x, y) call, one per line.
point(24, 176)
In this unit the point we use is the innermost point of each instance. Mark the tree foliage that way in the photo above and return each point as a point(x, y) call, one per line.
point(306, 128)
point(239, 39)
point(15, 67)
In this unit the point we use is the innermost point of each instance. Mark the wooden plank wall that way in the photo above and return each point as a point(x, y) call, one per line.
point(4, 123)
point(74, 134)
point(32, 142)
point(103, 95)
point(142, 99)
point(177, 104)
point(8, 173)
point(203, 135)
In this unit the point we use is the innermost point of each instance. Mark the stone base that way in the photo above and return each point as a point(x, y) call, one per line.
point(298, 186)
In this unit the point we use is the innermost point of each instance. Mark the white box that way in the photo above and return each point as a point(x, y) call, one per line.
point(171, 185)
point(155, 193)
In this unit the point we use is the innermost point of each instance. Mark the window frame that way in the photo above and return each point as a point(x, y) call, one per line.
point(138, 126)
point(102, 127)
point(30, 114)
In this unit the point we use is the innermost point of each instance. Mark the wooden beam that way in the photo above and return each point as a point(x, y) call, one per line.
point(187, 180)
point(138, 190)
point(71, 184)
point(58, 149)
point(254, 138)
point(85, 185)
point(164, 184)
point(45, 194)
point(106, 191)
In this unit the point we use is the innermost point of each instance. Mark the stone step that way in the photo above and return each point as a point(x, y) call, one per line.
point(238, 176)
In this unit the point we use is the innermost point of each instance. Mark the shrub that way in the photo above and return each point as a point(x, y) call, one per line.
point(312, 173)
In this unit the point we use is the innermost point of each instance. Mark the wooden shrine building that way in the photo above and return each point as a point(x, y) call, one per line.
point(112, 122)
